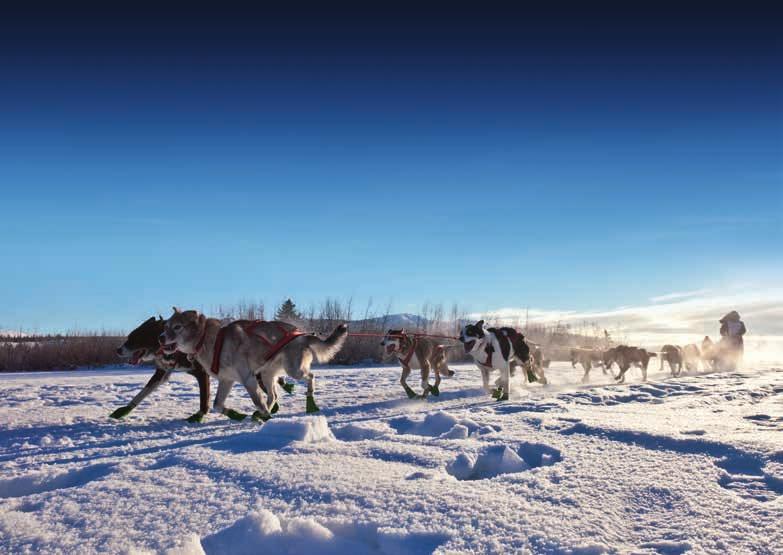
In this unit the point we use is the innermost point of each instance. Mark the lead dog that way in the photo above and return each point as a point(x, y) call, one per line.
point(417, 352)
point(142, 345)
point(587, 358)
point(626, 356)
point(504, 349)
point(249, 352)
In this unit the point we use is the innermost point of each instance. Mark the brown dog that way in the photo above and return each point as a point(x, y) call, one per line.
point(672, 355)
point(626, 356)
point(417, 352)
point(587, 358)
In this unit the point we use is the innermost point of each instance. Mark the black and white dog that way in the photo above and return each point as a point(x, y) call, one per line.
point(503, 349)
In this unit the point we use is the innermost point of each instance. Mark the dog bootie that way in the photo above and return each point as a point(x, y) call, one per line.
point(121, 412)
point(289, 388)
point(503, 396)
point(197, 418)
point(235, 415)
point(311, 406)
point(274, 408)
point(497, 393)
point(434, 390)
point(258, 417)
point(410, 392)
point(531, 377)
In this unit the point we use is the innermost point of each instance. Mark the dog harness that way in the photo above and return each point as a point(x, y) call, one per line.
point(489, 350)
point(406, 361)
point(249, 327)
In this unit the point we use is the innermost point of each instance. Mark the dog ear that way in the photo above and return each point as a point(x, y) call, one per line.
point(176, 310)
point(480, 323)
point(402, 331)
point(160, 318)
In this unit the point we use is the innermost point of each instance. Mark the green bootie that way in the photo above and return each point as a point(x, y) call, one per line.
point(196, 418)
point(235, 415)
point(289, 388)
point(274, 408)
point(531, 377)
point(311, 406)
point(122, 412)
point(410, 392)
point(434, 390)
point(258, 417)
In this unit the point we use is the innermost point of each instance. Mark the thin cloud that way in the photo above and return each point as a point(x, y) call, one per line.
point(676, 317)
point(680, 295)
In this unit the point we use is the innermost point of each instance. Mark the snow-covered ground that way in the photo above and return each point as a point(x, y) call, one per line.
point(668, 466)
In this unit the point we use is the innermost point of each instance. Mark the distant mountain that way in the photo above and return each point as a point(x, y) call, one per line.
point(395, 321)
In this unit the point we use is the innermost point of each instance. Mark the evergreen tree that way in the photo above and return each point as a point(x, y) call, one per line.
point(287, 312)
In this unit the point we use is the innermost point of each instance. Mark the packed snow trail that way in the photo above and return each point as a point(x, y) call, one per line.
point(667, 466)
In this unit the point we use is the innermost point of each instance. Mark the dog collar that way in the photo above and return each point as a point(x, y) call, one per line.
point(200, 343)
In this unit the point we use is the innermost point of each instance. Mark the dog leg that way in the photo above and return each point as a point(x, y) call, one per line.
point(505, 379)
point(311, 406)
point(271, 392)
point(203, 391)
point(160, 376)
point(435, 388)
point(540, 375)
point(406, 370)
point(587, 368)
point(262, 413)
point(224, 388)
point(485, 380)
point(623, 369)
point(425, 378)
point(287, 387)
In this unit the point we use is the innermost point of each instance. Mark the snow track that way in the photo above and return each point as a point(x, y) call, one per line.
point(668, 466)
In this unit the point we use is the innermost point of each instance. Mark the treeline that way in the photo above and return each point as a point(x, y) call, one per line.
point(78, 350)
point(60, 352)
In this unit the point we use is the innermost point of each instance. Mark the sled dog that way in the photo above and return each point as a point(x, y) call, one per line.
point(248, 351)
point(142, 345)
point(587, 358)
point(672, 355)
point(626, 356)
point(504, 349)
point(418, 352)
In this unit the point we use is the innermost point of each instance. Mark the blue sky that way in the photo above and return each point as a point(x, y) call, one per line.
point(498, 160)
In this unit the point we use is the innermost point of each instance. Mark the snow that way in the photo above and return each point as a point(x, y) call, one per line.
point(692, 464)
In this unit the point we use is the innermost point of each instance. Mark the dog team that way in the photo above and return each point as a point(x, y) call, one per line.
point(259, 354)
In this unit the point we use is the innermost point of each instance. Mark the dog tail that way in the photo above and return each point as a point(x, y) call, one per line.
point(324, 349)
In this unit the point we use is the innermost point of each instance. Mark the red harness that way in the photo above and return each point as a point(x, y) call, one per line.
point(406, 361)
point(248, 327)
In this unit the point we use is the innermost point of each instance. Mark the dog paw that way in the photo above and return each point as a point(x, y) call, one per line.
point(196, 418)
point(289, 388)
point(434, 390)
point(259, 417)
point(235, 415)
point(121, 412)
point(274, 408)
point(311, 407)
